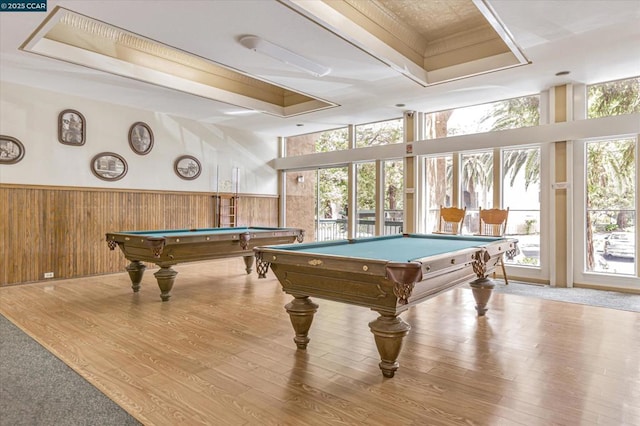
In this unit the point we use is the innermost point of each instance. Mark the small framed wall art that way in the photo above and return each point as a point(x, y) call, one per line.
point(109, 166)
point(140, 138)
point(11, 150)
point(71, 127)
point(187, 167)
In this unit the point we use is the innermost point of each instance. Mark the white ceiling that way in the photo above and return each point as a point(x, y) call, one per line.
point(595, 40)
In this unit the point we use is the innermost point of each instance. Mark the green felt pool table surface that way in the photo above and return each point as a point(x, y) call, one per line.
point(169, 247)
point(176, 233)
point(394, 248)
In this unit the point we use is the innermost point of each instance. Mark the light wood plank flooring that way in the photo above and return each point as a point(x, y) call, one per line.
point(221, 352)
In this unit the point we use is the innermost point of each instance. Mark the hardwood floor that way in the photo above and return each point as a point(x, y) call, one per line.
point(221, 352)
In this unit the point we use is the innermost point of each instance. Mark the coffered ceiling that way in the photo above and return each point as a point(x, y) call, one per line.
point(384, 56)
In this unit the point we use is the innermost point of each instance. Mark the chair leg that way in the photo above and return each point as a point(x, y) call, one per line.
point(504, 272)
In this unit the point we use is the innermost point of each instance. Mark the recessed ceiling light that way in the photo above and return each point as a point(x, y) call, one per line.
point(559, 73)
point(400, 105)
point(299, 124)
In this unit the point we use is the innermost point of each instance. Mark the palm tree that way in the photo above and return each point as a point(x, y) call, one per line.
point(512, 114)
point(436, 127)
point(477, 171)
point(613, 98)
point(606, 170)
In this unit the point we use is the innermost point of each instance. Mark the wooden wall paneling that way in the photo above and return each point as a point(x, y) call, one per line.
point(9, 231)
point(5, 235)
point(62, 230)
point(258, 211)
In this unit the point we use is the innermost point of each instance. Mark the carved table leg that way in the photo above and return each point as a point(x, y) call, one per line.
point(136, 271)
point(248, 263)
point(389, 330)
point(165, 277)
point(482, 288)
point(262, 267)
point(301, 311)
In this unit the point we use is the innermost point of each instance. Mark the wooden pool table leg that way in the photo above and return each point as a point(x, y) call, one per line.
point(165, 277)
point(389, 330)
point(482, 289)
point(136, 271)
point(301, 311)
point(248, 263)
point(262, 267)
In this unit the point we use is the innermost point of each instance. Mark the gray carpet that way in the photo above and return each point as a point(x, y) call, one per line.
point(36, 388)
point(583, 296)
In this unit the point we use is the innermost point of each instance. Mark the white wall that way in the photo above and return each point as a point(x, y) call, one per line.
point(31, 116)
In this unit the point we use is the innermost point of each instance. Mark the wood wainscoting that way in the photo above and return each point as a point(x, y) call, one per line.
point(62, 229)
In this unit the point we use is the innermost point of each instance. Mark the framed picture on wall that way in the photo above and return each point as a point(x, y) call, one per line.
point(187, 167)
point(109, 166)
point(140, 138)
point(11, 150)
point(71, 127)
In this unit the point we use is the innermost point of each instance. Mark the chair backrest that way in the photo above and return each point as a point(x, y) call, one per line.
point(450, 221)
point(493, 222)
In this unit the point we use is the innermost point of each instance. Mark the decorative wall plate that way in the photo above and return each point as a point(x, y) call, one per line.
point(71, 127)
point(11, 150)
point(140, 138)
point(187, 167)
point(109, 166)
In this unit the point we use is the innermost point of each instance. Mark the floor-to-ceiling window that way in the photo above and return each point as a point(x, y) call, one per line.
point(331, 203)
point(607, 192)
point(438, 188)
point(471, 179)
point(510, 176)
point(375, 134)
point(365, 199)
point(610, 176)
point(521, 193)
point(316, 199)
point(476, 185)
point(393, 197)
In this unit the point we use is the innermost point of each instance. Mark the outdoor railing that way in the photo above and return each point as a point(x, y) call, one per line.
point(336, 229)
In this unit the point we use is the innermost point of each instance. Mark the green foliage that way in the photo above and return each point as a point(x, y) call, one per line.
point(611, 171)
point(533, 261)
point(611, 182)
point(365, 191)
point(514, 113)
point(374, 134)
point(614, 98)
point(515, 159)
point(528, 223)
point(394, 184)
point(333, 140)
point(380, 133)
point(332, 184)
point(477, 173)
point(333, 181)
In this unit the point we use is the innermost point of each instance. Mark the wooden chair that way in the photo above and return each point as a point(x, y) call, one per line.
point(493, 223)
point(450, 220)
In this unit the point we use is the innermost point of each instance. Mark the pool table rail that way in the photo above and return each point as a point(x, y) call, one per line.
point(170, 247)
point(388, 287)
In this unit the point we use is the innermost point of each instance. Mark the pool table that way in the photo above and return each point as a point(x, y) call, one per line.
point(387, 274)
point(170, 247)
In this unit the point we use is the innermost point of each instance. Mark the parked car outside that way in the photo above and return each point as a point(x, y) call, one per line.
point(619, 244)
